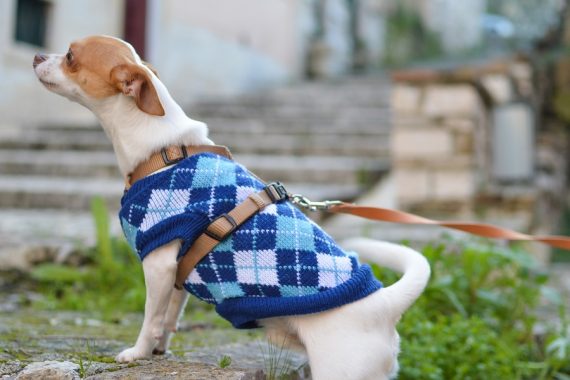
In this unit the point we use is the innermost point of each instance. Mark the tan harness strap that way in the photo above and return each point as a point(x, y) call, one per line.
point(224, 225)
point(170, 156)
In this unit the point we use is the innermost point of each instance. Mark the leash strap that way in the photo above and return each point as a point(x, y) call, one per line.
point(479, 229)
point(224, 225)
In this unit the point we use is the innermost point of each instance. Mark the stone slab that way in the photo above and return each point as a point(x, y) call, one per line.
point(499, 86)
point(424, 143)
point(406, 99)
point(50, 370)
point(451, 100)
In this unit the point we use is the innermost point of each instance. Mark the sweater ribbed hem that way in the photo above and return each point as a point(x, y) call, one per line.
point(243, 313)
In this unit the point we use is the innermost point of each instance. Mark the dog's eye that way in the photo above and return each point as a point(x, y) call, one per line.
point(69, 56)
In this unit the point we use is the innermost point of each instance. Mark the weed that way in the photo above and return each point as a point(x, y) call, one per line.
point(277, 359)
point(16, 353)
point(85, 360)
point(225, 361)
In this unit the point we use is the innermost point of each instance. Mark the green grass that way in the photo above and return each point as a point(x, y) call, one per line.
point(276, 359)
point(225, 361)
point(113, 281)
point(477, 317)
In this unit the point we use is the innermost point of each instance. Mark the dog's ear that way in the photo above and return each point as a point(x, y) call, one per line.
point(151, 68)
point(133, 80)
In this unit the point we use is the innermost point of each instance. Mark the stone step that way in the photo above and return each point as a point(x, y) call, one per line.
point(25, 162)
point(92, 139)
point(238, 138)
point(331, 123)
point(76, 193)
point(279, 115)
point(366, 92)
point(314, 168)
point(340, 126)
point(310, 143)
point(57, 192)
point(27, 234)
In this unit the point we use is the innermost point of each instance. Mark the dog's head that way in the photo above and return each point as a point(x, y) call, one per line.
point(96, 68)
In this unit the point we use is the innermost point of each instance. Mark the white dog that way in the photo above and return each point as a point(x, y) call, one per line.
point(357, 340)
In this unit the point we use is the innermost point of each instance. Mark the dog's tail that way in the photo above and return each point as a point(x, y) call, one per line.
point(412, 264)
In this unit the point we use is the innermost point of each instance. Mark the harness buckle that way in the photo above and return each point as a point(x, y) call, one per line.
point(168, 161)
point(217, 237)
point(276, 192)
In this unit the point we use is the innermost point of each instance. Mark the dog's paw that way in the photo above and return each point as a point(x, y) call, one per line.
point(164, 340)
point(131, 354)
point(163, 344)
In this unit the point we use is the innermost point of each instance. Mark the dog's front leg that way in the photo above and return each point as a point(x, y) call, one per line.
point(175, 309)
point(159, 274)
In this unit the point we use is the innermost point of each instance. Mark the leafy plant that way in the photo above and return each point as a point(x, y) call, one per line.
point(111, 283)
point(407, 38)
point(477, 318)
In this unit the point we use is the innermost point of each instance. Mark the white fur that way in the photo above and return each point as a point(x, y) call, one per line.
point(135, 135)
point(355, 341)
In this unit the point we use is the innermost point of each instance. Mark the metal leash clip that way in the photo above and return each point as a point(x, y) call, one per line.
point(306, 203)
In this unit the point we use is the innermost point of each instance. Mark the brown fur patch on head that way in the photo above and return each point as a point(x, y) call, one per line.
point(102, 65)
point(92, 60)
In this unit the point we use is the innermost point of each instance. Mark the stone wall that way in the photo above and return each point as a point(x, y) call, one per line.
point(436, 160)
point(470, 143)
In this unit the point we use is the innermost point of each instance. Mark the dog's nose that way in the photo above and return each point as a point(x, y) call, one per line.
point(39, 58)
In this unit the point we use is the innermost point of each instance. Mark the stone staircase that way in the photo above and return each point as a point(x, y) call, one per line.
point(325, 140)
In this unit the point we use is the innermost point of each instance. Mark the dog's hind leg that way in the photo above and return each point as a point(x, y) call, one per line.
point(281, 335)
point(350, 342)
point(345, 354)
point(159, 274)
point(175, 310)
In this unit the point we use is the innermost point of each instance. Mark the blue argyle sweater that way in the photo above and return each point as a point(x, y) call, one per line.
point(277, 263)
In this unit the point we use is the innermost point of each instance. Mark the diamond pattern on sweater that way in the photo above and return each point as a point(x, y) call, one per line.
point(211, 172)
point(256, 267)
point(295, 233)
point(164, 204)
point(277, 254)
point(130, 232)
point(333, 270)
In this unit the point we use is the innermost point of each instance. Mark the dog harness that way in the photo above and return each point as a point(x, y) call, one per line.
point(277, 263)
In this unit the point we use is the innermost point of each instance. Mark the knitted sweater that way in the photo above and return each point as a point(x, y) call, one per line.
point(277, 263)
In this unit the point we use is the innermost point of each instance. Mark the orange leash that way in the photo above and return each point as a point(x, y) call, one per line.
point(480, 229)
point(394, 216)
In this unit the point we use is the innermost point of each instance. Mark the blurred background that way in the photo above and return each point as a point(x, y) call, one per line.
point(450, 109)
